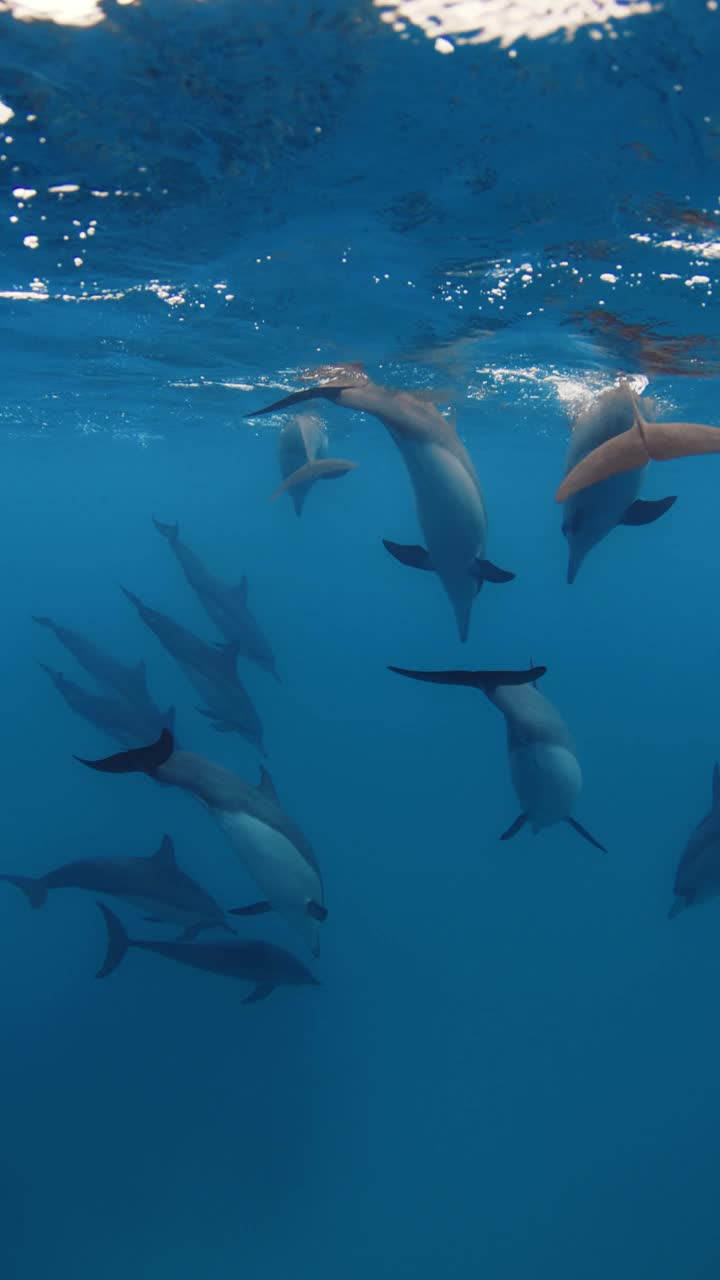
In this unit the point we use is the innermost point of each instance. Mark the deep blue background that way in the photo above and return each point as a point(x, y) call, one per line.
point(512, 1065)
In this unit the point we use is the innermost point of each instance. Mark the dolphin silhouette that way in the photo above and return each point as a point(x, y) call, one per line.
point(264, 965)
point(121, 720)
point(592, 513)
point(450, 503)
point(698, 874)
point(227, 605)
point(109, 674)
point(154, 886)
point(211, 669)
point(302, 455)
point(643, 442)
point(269, 844)
point(543, 764)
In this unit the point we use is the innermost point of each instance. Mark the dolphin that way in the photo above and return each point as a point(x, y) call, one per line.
point(226, 605)
point(211, 669)
point(450, 503)
point(109, 674)
point(591, 514)
point(126, 723)
point(543, 764)
point(154, 886)
point(643, 442)
point(264, 965)
point(270, 845)
point(698, 875)
point(302, 455)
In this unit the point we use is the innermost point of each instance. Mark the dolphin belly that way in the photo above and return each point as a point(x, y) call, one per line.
point(547, 779)
point(286, 878)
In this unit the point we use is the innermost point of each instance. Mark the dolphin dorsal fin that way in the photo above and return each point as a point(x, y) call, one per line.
point(165, 855)
point(267, 787)
point(716, 787)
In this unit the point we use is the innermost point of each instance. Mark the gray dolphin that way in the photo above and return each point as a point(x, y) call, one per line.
point(227, 605)
point(264, 965)
point(591, 514)
point(269, 844)
point(211, 669)
point(121, 720)
point(302, 455)
point(109, 674)
point(154, 886)
point(698, 875)
point(543, 764)
point(450, 503)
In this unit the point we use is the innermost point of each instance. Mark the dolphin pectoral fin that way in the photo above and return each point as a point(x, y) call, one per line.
point(486, 571)
point(316, 910)
point(35, 890)
point(137, 760)
point(414, 557)
point(641, 512)
point(516, 826)
point(577, 826)
point(260, 992)
point(253, 909)
point(117, 944)
point(310, 393)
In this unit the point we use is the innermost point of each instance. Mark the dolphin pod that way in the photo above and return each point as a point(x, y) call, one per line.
point(110, 675)
point(211, 669)
point(302, 455)
point(543, 764)
point(154, 886)
point(270, 845)
point(226, 605)
point(121, 720)
point(643, 442)
point(449, 500)
point(260, 963)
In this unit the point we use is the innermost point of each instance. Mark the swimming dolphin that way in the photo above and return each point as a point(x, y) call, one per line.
point(227, 605)
point(698, 875)
point(269, 844)
point(154, 886)
point(109, 674)
point(211, 669)
point(302, 455)
point(126, 723)
point(543, 765)
point(450, 504)
point(643, 442)
point(592, 513)
point(264, 965)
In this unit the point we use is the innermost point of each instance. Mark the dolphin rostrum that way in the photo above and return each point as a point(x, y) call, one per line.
point(128, 724)
point(261, 963)
point(226, 604)
point(543, 765)
point(593, 512)
point(643, 442)
point(109, 674)
point(698, 875)
point(302, 455)
point(211, 669)
point(450, 504)
point(270, 845)
point(154, 886)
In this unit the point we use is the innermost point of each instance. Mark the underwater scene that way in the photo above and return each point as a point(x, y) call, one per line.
point(360, 859)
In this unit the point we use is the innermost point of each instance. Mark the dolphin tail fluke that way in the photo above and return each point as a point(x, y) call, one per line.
point(169, 531)
point(117, 945)
point(643, 443)
point(260, 992)
point(35, 890)
point(415, 557)
point(514, 827)
point(138, 759)
point(582, 831)
point(317, 469)
point(485, 681)
point(297, 397)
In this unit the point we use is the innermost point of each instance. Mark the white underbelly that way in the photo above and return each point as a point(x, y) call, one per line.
point(450, 508)
point(547, 779)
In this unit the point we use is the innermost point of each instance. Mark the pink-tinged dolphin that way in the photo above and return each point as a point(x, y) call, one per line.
point(303, 458)
point(450, 504)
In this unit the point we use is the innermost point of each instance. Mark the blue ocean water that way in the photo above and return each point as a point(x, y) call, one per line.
point(511, 1066)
